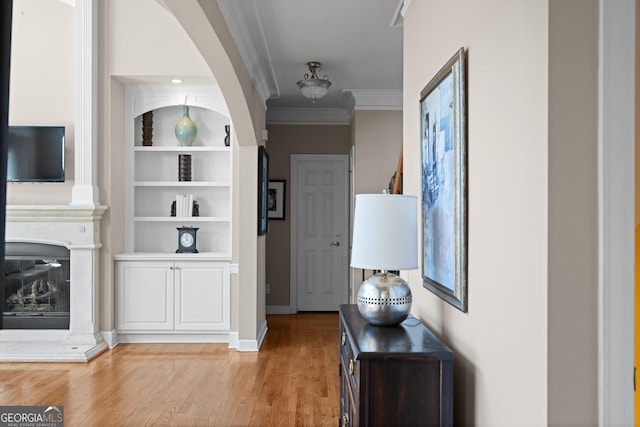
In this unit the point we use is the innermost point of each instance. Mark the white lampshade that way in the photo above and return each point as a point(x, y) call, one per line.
point(385, 232)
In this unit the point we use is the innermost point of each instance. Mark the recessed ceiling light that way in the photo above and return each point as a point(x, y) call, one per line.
point(176, 81)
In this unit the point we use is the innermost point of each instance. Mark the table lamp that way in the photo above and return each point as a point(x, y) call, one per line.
point(385, 238)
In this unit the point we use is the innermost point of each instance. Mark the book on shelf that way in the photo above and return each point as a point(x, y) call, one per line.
point(185, 205)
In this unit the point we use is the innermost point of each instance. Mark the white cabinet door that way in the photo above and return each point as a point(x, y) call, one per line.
point(202, 296)
point(145, 295)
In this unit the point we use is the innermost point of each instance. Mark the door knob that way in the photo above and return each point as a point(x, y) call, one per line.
point(335, 243)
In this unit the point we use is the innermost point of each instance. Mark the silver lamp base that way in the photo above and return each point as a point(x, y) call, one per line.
point(384, 299)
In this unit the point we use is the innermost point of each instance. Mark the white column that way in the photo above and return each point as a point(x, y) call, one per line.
point(85, 190)
point(83, 317)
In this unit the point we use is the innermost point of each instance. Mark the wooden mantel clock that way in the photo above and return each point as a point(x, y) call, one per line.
point(187, 240)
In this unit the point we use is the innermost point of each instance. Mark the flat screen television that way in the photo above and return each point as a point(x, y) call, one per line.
point(35, 154)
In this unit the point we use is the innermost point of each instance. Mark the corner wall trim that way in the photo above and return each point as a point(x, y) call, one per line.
point(233, 339)
point(262, 334)
point(253, 345)
point(110, 337)
point(234, 268)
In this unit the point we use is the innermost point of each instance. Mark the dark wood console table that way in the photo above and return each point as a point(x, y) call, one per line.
point(393, 376)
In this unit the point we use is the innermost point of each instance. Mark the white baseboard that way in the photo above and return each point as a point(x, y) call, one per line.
point(110, 337)
point(247, 345)
point(253, 345)
point(277, 309)
point(233, 339)
point(172, 338)
point(263, 333)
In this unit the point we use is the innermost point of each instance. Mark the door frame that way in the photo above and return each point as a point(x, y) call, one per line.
point(616, 185)
point(293, 274)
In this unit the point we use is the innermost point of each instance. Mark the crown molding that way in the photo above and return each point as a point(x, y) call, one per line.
point(245, 26)
point(351, 101)
point(377, 99)
point(308, 116)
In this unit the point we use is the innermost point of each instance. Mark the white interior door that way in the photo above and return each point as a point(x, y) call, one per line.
point(320, 232)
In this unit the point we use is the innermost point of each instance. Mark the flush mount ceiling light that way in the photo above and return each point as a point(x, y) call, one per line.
point(311, 86)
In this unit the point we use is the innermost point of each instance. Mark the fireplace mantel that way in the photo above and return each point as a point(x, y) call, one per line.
point(62, 213)
point(76, 227)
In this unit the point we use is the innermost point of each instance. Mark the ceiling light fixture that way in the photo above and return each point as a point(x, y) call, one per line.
point(176, 81)
point(311, 86)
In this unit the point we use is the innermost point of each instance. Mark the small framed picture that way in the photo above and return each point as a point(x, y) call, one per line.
point(275, 203)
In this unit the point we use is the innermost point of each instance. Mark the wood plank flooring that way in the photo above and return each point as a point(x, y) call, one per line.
point(292, 381)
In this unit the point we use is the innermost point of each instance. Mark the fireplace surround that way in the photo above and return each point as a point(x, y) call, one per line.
point(77, 229)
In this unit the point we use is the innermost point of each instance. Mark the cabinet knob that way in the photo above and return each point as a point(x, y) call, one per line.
point(352, 366)
point(344, 338)
point(345, 420)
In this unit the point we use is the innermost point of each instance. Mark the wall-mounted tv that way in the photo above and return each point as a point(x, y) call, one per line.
point(35, 154)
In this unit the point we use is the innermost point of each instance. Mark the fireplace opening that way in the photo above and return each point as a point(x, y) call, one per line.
point(36, 286)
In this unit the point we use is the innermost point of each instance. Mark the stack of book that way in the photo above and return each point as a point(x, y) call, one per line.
point(184, 204)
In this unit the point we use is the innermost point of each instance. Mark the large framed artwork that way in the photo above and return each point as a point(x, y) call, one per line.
point(263, 191)
point(444, 182)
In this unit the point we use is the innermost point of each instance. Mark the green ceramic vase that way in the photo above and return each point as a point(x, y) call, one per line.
point(186, 129)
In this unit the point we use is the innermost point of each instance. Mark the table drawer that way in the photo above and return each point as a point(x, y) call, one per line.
point(348, 407)
point(350, 364)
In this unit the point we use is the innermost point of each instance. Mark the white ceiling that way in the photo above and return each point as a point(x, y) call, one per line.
point(358, 42)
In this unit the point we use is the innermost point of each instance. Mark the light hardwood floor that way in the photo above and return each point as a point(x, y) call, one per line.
point(292, 381)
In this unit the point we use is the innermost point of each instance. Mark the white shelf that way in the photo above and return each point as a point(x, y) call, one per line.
point(181, 184)
point(172, 256)
point(179, 148)
point(181, 219)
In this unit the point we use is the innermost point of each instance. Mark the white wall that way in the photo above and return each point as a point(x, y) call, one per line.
point(146, 40)
point(42, 88)
point(500, 345)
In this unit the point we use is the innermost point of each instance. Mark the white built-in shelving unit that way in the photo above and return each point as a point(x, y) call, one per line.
point(151, 236)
